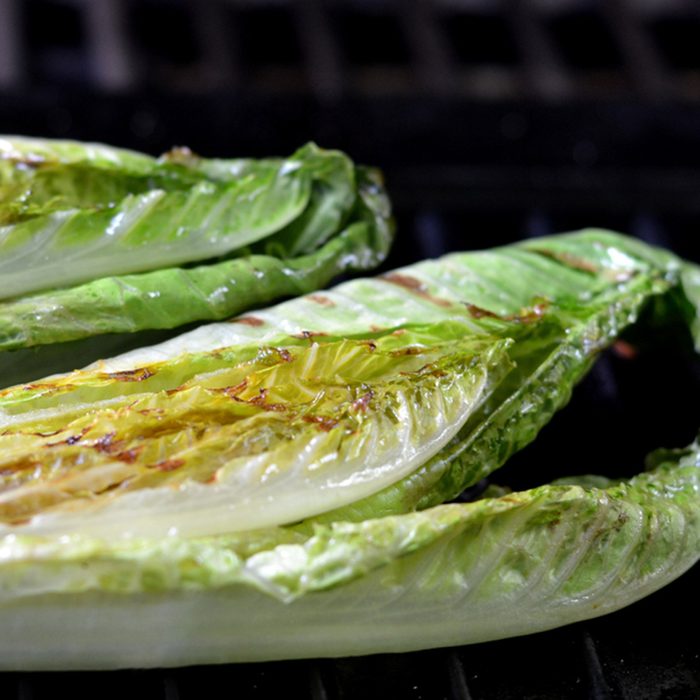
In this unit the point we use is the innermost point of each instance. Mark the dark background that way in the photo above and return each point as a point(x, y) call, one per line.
point(493, 121)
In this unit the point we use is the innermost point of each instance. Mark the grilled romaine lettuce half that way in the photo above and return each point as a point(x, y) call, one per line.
point(95, 239)
point(275, 487)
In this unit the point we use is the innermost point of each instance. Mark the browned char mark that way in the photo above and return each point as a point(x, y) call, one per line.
point(321, 300)
point(252, 321)
point(167, 465)
point(568, 260)
point(310, 335)
point(529, 314)
point(361, 403)
point(139, 374)
point(416, 287)
point(325, 423)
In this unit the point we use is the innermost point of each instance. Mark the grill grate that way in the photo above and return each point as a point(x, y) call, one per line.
point(520, 177)
point(464, 172)
point(466, 48)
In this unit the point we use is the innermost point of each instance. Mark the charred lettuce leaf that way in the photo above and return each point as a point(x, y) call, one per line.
point(276, 487)
point(244, 442)
point(97, 240)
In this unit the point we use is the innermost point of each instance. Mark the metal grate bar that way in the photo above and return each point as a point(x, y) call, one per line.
point(316, 685)
point(11, 69)
point(219, 64)
point(109, 45)
point(458, 680)
point(322, 55)
point(435, 72)
point(544, 69)
point(639, 51)
point(598, 685)
point(24, 689)
point(170, 688)
point(115, 64)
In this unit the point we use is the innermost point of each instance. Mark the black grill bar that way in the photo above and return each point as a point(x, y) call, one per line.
point(112, 59)
point(322, 53)
point(11, 69)
point(170, 688)
point(545, 71)
point(434, 65)
point(24, 689)
point(599, 689)
point(458, 680)
point(317, 686)
point(523, 169)
point(220, 67)
point(641, 55)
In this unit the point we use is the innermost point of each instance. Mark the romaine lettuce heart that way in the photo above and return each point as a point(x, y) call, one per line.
point(290, 433)
point(432, 375)
point(452, 574)
point(98, 240)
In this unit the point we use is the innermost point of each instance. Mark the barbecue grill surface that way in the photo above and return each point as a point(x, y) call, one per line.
point(491, 125)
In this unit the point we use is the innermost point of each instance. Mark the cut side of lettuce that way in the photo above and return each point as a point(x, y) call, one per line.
point(293, 431)
point(100, 240)
point(275, 487)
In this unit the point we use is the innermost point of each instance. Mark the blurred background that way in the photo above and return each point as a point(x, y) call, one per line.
point(493, 121)
point(522, 115)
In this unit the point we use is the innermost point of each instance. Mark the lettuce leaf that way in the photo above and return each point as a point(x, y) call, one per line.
point(453, 574)
point(245, 442)
point(431, 377)
point(99, 240)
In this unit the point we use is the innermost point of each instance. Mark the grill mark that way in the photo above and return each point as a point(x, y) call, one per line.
point(233, 391)
point(529, 314)
point(309, 335)
point(284, 354)
point(321, 300)
point(361, 403)
point(47, 386)
point(324, 423)
point(405, 352)
point(70, 440)
point(129, 456)
point(574, 262)
point(42, 435)
point(107, 444)
point(259, 401)
point(568, 260)
point(416, 287)
point(479, 312)
point(252, 321)
point(131, 375)
point(167, 465)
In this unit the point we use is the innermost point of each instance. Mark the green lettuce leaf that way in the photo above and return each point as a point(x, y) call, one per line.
point(561, 300)
point(236, 440)
point(110, 228)
point(453, 574)
point(357, 412)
